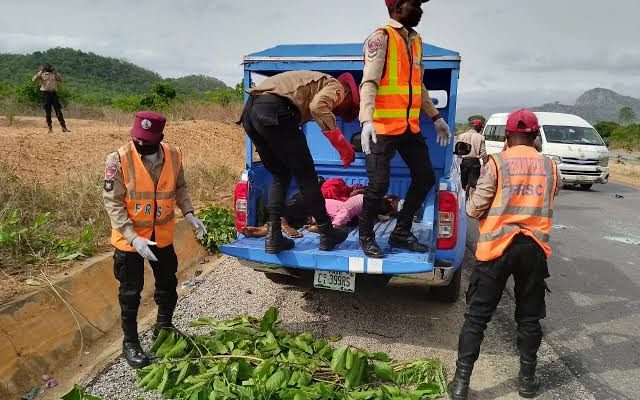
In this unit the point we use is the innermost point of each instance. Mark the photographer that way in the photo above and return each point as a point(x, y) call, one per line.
point(49, 79)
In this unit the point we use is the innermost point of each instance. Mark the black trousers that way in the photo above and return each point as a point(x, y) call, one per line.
point(526, 261)
point(128, 268)
point(50, 99)
point(415, 153)
point(470, 172)
point(273, 124)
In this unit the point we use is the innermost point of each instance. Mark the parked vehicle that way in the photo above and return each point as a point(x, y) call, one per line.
point(441, 222)
point(569, 140)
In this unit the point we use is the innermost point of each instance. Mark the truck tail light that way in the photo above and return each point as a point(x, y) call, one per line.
point(447, 220)
point(240, 201)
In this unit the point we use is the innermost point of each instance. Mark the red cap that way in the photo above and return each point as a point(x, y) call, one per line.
point(148, 126)
point(391, 3)
point(477, 123)
point(522, 121)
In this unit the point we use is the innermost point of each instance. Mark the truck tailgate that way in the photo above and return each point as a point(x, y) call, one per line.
point(347, 257)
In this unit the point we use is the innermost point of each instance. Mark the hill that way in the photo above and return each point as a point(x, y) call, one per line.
point(595, 105)
point(89, 73)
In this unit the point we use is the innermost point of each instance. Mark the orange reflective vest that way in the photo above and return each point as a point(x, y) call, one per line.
point(523, 202)
point(150, 208)
point(399, 96)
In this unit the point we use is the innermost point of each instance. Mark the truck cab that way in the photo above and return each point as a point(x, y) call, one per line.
point(440, 222)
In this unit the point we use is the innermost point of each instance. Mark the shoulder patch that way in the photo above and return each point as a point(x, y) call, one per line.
point(108, 185)
point(110, 170)
point(373, 45)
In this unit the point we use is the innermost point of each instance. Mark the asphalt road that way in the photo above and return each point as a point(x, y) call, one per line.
point(593, 320)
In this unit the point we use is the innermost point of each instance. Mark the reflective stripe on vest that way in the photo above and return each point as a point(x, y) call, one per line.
point(523, 202)
point(150, 208)
point(399, 96)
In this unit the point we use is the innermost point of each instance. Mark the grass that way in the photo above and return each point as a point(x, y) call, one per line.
point(73, 221)
point(41, 225)
point(625, 173)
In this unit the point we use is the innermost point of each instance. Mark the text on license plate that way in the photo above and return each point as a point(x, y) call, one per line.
point(333, 280)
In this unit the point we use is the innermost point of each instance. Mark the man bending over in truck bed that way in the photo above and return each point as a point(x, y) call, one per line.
point(272, 118)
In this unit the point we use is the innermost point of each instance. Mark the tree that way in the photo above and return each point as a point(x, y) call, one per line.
point(606, 128)
point(626, 115)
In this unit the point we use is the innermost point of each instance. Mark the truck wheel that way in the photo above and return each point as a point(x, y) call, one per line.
point(450, 293)
point(585, 186)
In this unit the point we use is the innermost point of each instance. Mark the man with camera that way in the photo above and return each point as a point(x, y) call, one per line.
point(49, 79)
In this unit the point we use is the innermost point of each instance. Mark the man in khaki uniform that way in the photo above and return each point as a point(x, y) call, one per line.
point(143, 182)
point(272, 118)
point(387, 129)
point(49, 79)
point(470, 165)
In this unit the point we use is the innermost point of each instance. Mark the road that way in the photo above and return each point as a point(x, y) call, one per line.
point(594, 309)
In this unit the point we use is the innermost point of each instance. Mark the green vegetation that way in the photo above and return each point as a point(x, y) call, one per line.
point(626, 137)
point(627, 115)
point(40, 225)
point(249, 358)
point(96, 81)
point(220, 226)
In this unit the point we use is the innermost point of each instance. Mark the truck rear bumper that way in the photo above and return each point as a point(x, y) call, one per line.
point(439, 276)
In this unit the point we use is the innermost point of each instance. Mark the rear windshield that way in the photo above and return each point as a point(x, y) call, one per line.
point(494, 133)
point(572, 135)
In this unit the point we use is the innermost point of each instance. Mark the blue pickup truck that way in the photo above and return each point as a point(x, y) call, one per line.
point(441, 221)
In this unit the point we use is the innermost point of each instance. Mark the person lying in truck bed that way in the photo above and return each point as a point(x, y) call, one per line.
point(342, 214)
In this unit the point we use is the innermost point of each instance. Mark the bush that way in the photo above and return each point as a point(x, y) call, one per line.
point(220, 225)
point(29, 93)
point(627, 137)
point(606, 128)
point(41, 225)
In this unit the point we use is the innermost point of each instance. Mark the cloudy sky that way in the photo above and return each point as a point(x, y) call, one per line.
point(521, 52)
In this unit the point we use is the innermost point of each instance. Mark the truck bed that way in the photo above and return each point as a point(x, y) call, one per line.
point(347, 257)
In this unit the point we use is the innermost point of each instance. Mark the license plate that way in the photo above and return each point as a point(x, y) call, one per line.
point(332, 280)
point(582, 178)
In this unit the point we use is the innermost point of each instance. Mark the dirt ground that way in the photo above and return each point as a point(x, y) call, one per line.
point(50, 159)
point(34, 153)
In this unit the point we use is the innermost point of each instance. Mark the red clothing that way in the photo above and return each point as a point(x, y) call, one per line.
point(337, 189)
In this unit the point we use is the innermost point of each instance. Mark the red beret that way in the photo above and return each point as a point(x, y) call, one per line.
point(148, 126)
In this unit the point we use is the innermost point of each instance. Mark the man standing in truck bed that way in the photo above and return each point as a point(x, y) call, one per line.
point(392, 95)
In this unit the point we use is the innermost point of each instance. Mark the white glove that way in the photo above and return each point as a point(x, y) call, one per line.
point(201, 230)
point(142, 247)
point(442, 132)
point(367, 136)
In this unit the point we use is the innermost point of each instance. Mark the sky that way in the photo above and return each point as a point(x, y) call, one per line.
point(514, 52)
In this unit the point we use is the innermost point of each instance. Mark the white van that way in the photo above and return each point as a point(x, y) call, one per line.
point(569, 140)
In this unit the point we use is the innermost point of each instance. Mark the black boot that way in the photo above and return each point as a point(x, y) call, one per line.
point(275, 242)
point(331, 237)
point(402, 238)
point(459, 387)
point(135, 356)
point(529, 384)
point(50, 129)
point(370, 247)
point(163, 321)
point(64, 129)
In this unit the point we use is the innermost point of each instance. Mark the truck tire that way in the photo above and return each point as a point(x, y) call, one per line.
point(586, 186)
point(450, 293)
